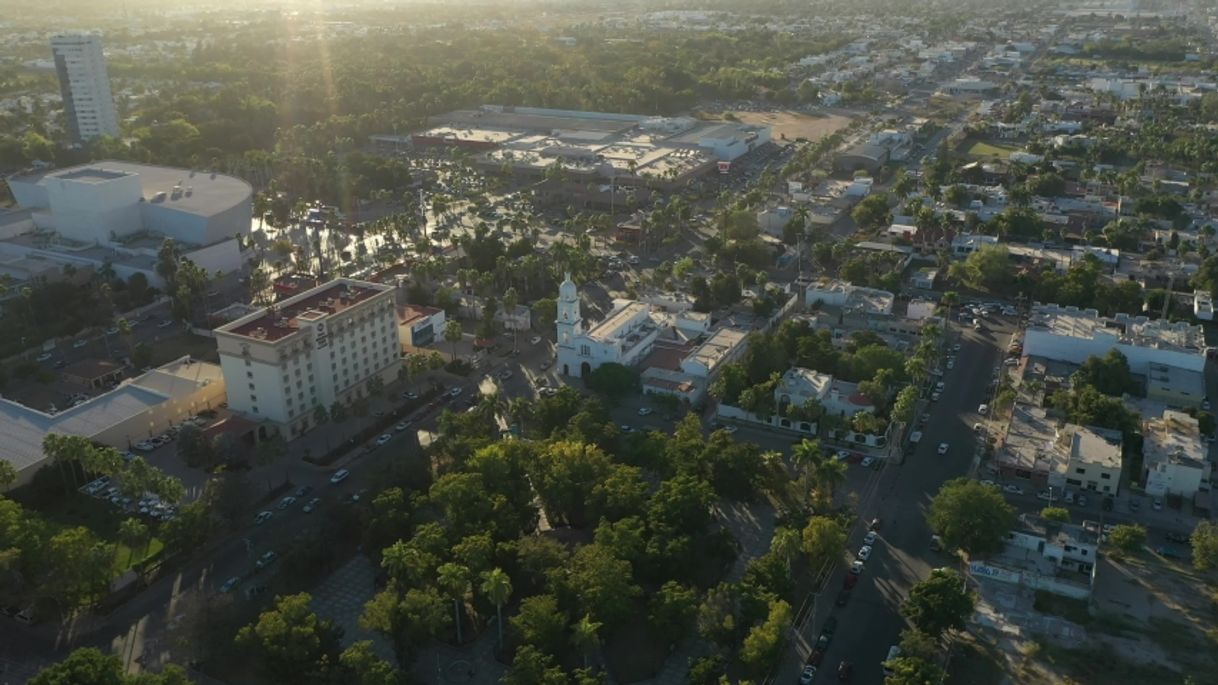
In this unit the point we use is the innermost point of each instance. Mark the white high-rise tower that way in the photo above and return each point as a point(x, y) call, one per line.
point(85, 86)
point(570, 323)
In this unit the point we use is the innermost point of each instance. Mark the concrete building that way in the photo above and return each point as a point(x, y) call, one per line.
point(119, 213)
point(316, 349)
point(624, 337)
point(85, 86)
point(1174, 386)
point(799, 386)
point(1203, 305)
point(1173, 456)
point(137, 409)
point(421, 326)
point(1072, 335)
point(723, 347)
point(966, 244)
point(1093, 460)
point(1044, 555)
point(847, 296)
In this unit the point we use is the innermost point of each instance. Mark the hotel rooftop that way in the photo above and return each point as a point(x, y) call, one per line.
point(283, 319)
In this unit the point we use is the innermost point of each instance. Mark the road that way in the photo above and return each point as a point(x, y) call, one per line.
point(870, 622)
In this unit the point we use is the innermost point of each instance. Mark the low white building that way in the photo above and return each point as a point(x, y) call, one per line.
point(724, 346)
point(1093, 460)
point(1044, 555)
point(843, 294)
point(1070, 334)
point(965, 244)
point(1173, 456)
point(421, 326)
point(1203, 305)
point(838, 398)
point(623, 337)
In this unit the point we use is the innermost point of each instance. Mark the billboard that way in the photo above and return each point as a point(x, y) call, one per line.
point(725, 167)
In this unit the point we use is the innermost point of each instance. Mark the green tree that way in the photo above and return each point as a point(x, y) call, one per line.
point(1059, 514)
point(290, 643)
point(1128, 538)
point(671, 610)
point(824, 539)
point(762, 646)
point(365, 667)
point(1204, 540)
point(909, 670)
point(906, 402)
point(584, 636)
point(939, 603)
point(970, 516)
point(613, 380)
point(540, 624)
point(498, 589)
point(872, 212)
point(533, 666)
point(1109, 374)
point(989, 268)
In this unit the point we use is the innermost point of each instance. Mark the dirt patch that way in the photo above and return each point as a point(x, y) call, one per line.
point(795, 125)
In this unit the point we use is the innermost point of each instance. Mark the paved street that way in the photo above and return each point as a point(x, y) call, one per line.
point(871, 622)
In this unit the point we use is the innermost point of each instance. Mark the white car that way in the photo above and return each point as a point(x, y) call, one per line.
point(383, 439)
point(535, 340)
point(989, 483)
point(1045, 495)
point(401, 426)
point(867, 462)
point(842, 455)
point(939, 386)
point(983, 409)
point(730, 429)
point(808, 675)
point(287, 502)
point(645, 411)
point(934, 396)
point(865, 552)
point(266, 559)
point(1012, 489)
point(857, 568)
point(870, 537)
point(44, 357)
point(943, 448)
point(339, 476)
point(262, 517)
point(951, 364)
point(455, 391)
point(79, 344)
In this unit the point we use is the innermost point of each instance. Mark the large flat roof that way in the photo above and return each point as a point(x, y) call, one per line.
point(22, 429)
point(273, 323)
point(203, 193)
point(1139, 331)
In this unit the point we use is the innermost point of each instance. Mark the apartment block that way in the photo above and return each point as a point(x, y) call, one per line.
point(85, 86)
point(315, 349)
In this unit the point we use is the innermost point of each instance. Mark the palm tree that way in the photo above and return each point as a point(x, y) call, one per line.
point(830, 474)
point(510, 299)
point(785, 544)
point(453, 333)
point(583, 634)
point(807, 454)
point(453, 580)
point(498, 589)
point(132, 532)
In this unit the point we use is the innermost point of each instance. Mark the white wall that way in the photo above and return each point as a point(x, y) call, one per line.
point(1042, 343)
point(223, 256)
point(90, 211)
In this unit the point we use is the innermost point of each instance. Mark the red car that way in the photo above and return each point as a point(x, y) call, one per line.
point(851, 580)
point(815, 657)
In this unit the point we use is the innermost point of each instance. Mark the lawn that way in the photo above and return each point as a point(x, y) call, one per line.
point(986, 149)
point(125, 557)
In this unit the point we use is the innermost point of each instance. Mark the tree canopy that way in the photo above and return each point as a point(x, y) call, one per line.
point(970, 516)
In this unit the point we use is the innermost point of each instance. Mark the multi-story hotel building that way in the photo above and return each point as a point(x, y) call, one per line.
point(314, 349)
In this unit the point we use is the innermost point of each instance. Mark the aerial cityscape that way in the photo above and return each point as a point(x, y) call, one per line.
point(608, 342)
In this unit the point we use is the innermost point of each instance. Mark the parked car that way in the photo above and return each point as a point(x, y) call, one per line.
point(229, 584)
point(1174, 536)
point(856, 568)
point(845, 671)
point(383, 439)
point(1157, 504)
point(286, 502)
point(864, 552)
point(311, 505)
point(983, 409)
point(535, 340)
point(807, 675)
point(1012, 489)
point(645, 411)
point(401, 426)
point(339, 476)
point(266, 559)
point(262, 517)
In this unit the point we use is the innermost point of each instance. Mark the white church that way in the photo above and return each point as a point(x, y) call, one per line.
point(624, 337)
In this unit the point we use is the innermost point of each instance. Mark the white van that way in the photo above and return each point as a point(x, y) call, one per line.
point(893, 652)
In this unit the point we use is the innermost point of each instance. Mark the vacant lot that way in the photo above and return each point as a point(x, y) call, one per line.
point(795, 124)
point(988, 149)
